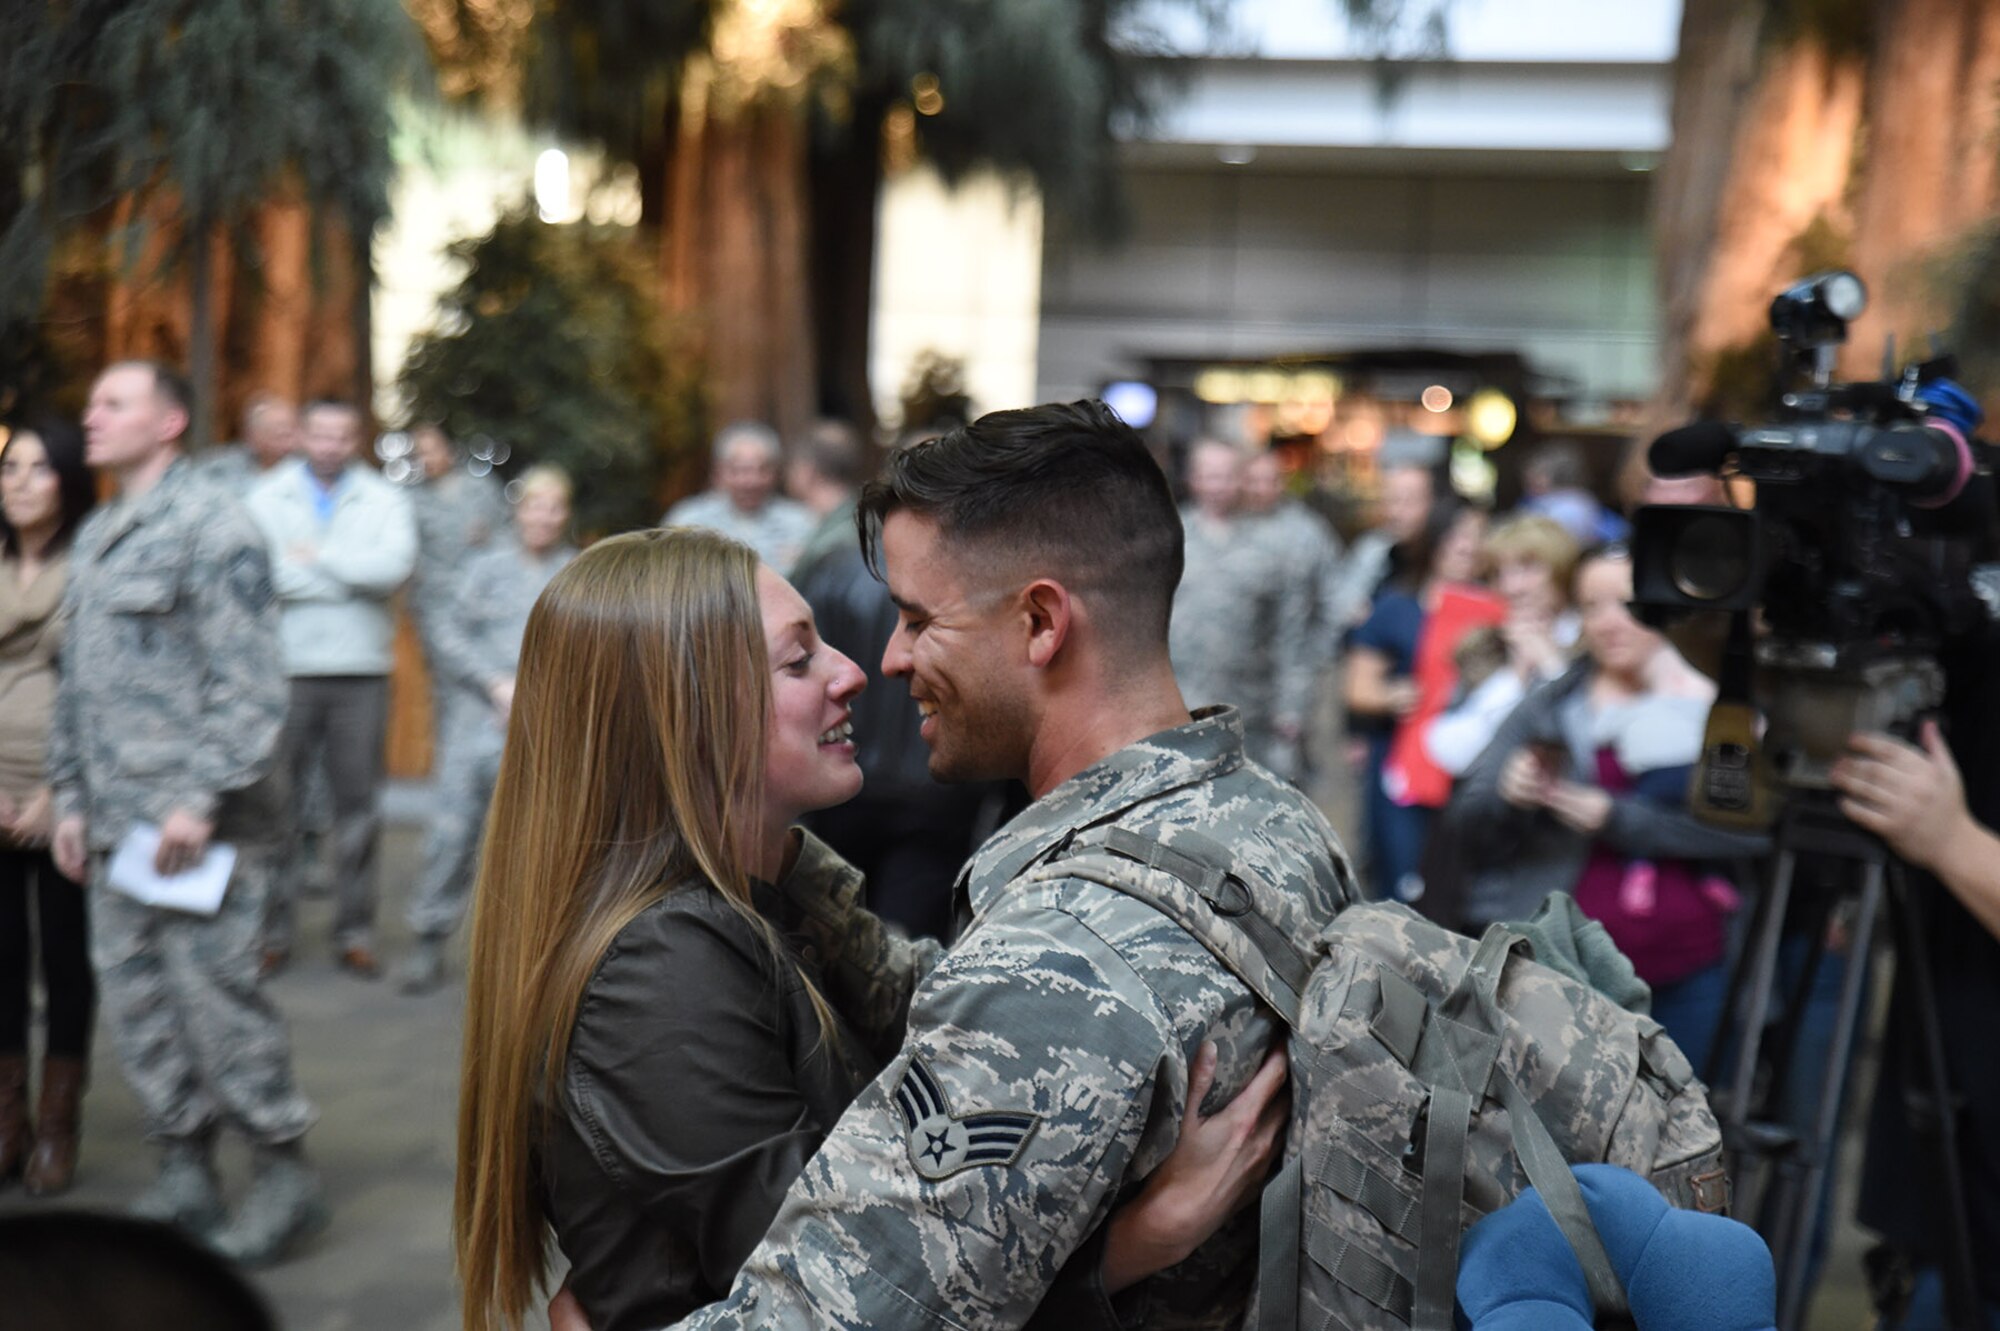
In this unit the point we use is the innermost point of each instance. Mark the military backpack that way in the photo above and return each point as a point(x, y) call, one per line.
point(1434, 1077)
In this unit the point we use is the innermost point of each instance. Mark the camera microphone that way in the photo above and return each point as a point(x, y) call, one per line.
point(1701, 446)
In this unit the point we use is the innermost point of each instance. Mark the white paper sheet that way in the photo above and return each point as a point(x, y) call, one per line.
point(198, 891)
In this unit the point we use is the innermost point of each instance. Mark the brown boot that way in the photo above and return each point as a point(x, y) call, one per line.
point(16, 1137)
point(57, 1119)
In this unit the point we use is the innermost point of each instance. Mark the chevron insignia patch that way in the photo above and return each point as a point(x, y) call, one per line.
point(941, 1145)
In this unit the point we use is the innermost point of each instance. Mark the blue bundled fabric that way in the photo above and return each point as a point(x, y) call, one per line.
point(1682, 1270)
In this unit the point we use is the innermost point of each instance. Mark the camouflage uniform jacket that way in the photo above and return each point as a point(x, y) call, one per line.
point(173, 688)
point(1045, 1063)
point(1242, 625)
point(458, 516)
point(476, 642)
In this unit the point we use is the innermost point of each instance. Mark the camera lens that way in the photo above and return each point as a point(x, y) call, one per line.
point(1711, 559)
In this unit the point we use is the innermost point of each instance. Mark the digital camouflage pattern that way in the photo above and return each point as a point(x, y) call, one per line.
point(458, 516)
point(476, 641)
point(172, 697)
point(173, 688)
point(1242, 633)
point(778, 531)
point(1311, 551)
point(1066, 1002)
point(197, 1039)
point(1379, 1029)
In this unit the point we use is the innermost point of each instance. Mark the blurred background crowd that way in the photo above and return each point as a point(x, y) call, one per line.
point(1395, 289)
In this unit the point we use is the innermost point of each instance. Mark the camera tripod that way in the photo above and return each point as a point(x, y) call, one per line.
point(1795, 1160)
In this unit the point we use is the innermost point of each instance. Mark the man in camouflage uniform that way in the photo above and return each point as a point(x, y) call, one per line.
point(169, 711)
point(1242, 619)
point(270, 435)
point(478, 644)
point(743, 503)
point(458, 516)
point(1045, 1061)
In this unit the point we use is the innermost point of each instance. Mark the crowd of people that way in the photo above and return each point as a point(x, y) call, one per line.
point(1012, 636)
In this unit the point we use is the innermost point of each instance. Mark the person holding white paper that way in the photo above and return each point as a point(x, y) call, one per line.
point(171, 700)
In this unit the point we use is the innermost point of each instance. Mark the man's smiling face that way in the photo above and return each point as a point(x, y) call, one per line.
point(961, 643)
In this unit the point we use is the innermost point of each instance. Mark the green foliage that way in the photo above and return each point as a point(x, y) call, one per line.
point(1044, 88)
point(553, 344)
point(213, 103)
point(607, 71)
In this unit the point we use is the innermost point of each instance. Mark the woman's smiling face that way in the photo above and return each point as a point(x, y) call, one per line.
point(809, 751)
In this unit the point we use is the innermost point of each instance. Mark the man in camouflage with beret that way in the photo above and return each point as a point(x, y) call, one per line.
point(1044, 1063)
point(168, 713)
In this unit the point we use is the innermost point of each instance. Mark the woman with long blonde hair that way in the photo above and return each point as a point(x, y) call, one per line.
point(651, 1050)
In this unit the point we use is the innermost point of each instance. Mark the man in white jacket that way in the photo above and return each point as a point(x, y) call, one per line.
point(342, 541)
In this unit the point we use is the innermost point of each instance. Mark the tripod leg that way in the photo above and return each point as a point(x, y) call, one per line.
point(1819, 1149)
point(1933, 1114)
point(1762, 960)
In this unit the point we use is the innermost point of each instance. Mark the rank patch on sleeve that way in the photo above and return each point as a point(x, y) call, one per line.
point(941, 1145)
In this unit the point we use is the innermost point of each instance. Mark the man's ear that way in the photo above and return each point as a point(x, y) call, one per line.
point(1051, 613)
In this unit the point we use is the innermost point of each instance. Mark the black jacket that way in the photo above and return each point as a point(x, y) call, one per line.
point(697, 1085)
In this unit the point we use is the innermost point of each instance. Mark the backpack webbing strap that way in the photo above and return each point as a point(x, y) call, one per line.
point(1369, 1189)
point(1444, 1189)
point(1278, 1249)
point(1363, 1272)
point(1209, 875)
point(1550, 1173)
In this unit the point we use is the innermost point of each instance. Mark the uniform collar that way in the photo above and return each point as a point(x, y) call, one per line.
point(1209, 746)
point(126, 514)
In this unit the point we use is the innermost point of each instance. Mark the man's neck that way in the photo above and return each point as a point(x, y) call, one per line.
point(1083, 729)
point(141, 477)
point(324, 481)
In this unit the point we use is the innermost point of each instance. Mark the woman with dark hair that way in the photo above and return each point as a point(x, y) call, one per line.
point(1400, 674)
point(45, 490)
point(653, 1047)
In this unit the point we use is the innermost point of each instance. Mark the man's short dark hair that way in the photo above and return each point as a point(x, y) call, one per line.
point(1560, 466)
point(833, 449)
point(168, 382)
point(330, 404)
point(1068, 488)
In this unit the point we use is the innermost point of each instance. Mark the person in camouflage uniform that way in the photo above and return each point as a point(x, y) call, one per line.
point(1242, 621)
point(743, 502)
point(170, 706)
point(1045, 1058)
point(477, 642)
point(270, 435)
point(458, 516)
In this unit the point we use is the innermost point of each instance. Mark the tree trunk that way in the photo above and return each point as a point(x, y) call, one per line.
point(1891, 153)
point(734, 257)
point(846, 180)
point(277, 352)
point(201, 333)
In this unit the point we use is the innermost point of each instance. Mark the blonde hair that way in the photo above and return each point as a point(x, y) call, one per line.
point(1538, 539)
point(546, 476)
point(634, 764)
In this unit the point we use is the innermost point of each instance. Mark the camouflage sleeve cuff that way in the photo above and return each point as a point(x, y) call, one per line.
point(66, 801)
point(1077, 1300)
point(824, 891)
point(201, 803)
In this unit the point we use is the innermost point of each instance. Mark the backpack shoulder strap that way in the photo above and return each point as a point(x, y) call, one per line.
point(1208, 870)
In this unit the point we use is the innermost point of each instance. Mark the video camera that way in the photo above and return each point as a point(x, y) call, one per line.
point(1874, 504)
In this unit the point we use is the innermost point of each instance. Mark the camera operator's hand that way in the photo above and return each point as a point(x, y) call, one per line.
point(1584, 809)
point(1524, 782)
point(1912, 798)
